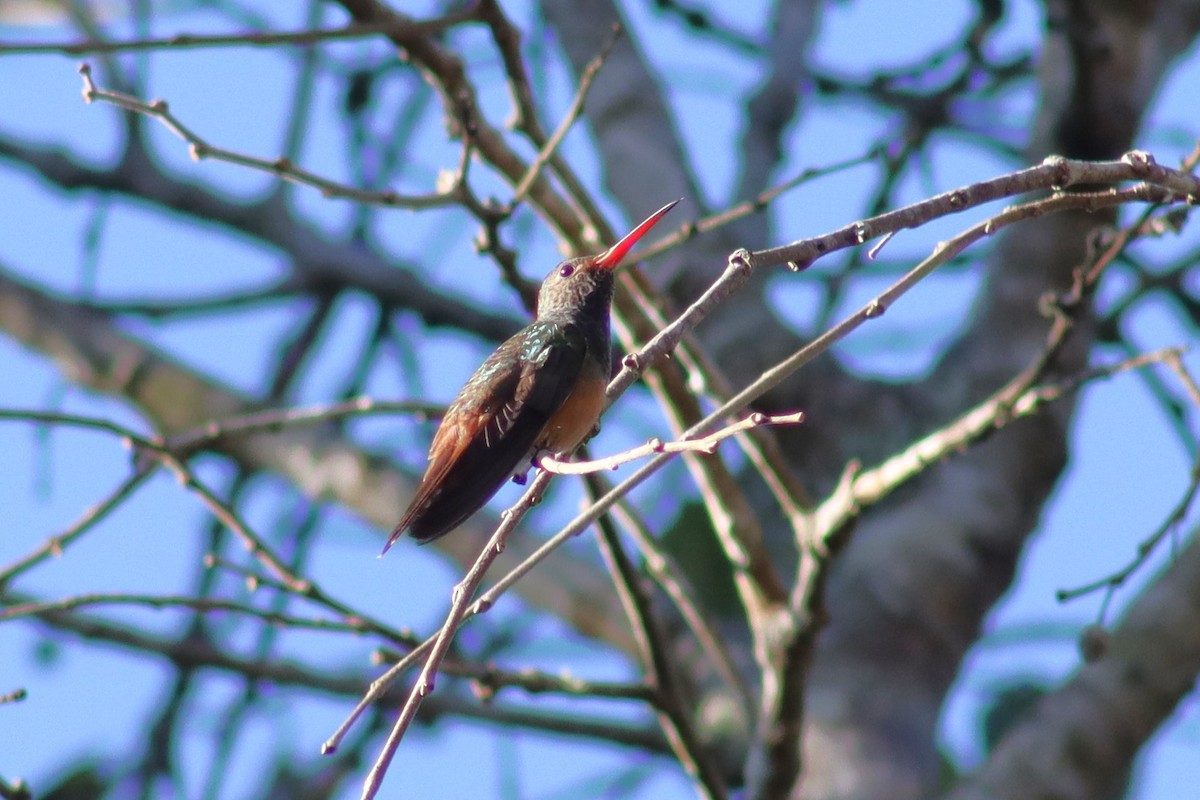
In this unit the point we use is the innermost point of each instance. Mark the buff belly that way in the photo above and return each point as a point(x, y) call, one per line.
point(574, 420)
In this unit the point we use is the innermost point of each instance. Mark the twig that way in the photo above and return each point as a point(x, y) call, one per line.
point(573, 113)
point(446, 72)
point(761, 447)
point(507, 38)
point(285, 288)
point(875, 308)
point(54, 546)
point(277, 419)
point(707, 444)
point(201, 604)
point(181, 41)
point(463, 593)
point(157, 451)
point(1055, 173)
point(283, 168)
point(690, 230)
point(668, 575)
point(1145, 548)
point(195, 652)
point(488, 680)
point(673, 715)
point(1175, 362)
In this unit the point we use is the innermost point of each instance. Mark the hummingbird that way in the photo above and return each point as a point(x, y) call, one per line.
point(542, 389)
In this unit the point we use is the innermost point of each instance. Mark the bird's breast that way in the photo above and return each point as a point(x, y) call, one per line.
point(576, 417)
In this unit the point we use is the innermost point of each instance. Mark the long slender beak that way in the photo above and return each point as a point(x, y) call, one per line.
point(611, 258)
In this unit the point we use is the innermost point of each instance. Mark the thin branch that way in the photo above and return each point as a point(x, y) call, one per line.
point(445, 70)
point(707, 445)
point(281, 167)
point(297, 416)
point(176, 309)
point(876, 307)
point(55, 545)
point(1055, 173)
point(463, 593)
point(546, 154)
point(1175, 518)
point(507, 38)
point(669, 575)
point(755, 205)
point(198, 652)
point(1016, 399)
point(489, 680)
point(673, 715)
point(156, 451)
point(180, 41)
point(1175, 362)
point(203, 605)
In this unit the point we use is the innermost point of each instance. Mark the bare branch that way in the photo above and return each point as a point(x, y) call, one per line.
point(280, 167)
point(707, 445)
point(202, 604)
point(182, 41)
point(460, 609)
point(673, 714)
point(54, 546)
point(546, 154)
point(663, 569)
point(153, 450)
point(1145, 548)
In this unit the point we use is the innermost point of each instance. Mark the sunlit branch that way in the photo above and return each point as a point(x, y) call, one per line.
point(181, 41)
point(460, 605)
point(669, 575)
point(706, 445)
point(674, 716)
point(546, 154)
point(283, 168)
point(1054, 174)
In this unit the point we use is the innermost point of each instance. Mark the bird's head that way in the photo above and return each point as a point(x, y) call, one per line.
point(585, 284)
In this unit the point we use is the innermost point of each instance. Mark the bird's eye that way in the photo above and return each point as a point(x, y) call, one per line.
point(566, 270)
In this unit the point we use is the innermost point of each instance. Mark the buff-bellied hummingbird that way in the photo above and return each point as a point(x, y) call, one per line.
point(542, 389)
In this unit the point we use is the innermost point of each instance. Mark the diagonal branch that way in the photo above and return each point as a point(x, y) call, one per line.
point(674, 716)
point(199, 149)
